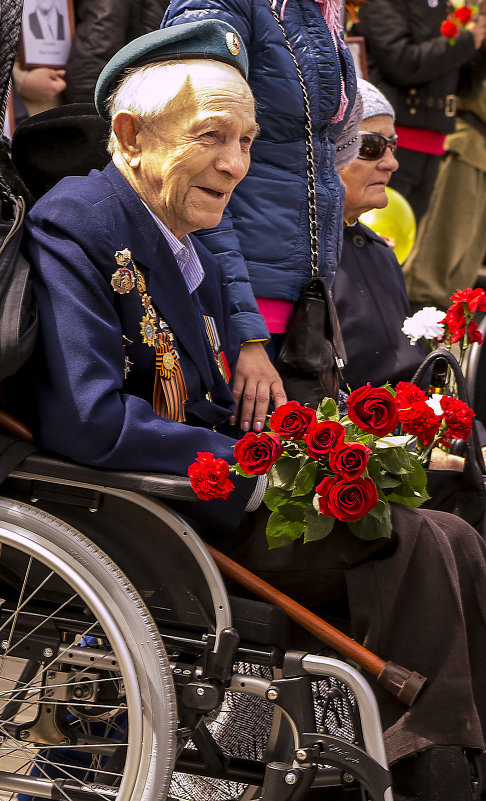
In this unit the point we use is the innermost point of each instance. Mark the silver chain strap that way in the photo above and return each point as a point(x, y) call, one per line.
point(309, 149)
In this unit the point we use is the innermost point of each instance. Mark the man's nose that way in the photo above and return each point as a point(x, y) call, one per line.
point(231, 159)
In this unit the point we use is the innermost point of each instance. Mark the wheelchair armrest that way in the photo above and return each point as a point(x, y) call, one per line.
point(163, 486)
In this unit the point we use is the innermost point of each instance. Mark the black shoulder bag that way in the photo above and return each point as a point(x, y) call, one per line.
point(312, 354)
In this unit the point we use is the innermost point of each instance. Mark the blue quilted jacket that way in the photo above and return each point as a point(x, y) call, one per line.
point(264, 235)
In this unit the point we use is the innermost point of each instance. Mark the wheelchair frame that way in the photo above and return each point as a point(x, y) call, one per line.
point(301, 755)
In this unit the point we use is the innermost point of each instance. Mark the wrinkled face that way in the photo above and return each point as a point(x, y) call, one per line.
point(365, 181)
point(195, 154)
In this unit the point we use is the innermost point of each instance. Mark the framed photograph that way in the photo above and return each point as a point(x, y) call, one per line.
point(47, 33)
point(9, 123)
point(357, 47)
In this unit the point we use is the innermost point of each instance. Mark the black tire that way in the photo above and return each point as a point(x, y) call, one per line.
point(48, 568)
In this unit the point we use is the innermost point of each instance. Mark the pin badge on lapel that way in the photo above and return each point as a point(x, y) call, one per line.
point(123, 279)
point(433, 3)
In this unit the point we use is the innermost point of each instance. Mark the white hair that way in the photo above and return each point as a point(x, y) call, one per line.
point(145, 91)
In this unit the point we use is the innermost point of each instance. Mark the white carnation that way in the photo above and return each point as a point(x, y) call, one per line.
point(425, 323)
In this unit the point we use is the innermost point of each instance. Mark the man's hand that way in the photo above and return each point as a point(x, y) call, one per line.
point(42, 84)
point(256, 380)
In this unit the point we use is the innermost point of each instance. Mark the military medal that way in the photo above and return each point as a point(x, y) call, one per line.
point(148, 330)
point(170, 392)
point(215, 342)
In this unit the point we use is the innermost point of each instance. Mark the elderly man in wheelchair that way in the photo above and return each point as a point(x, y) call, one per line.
point(174, 689)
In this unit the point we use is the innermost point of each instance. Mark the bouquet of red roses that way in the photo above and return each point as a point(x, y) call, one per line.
point(322, 467)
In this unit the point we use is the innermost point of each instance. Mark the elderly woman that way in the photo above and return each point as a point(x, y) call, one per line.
point(369, 290)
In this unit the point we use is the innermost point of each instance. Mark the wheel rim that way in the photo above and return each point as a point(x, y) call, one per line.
point(88, 589)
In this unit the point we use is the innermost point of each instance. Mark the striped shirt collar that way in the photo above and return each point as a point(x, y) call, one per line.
point(184, 253)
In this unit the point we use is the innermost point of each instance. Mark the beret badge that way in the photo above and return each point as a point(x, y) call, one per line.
point(233, 43)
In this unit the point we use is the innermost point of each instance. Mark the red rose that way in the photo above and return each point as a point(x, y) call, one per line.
point(449, 29)
point(256, 453)
point(210, 477)
point(291, 420)
point(406, 394)
point(419, 420)
point(346, 500)
point(458, 417)
point(373, 409)
point(349, 460)
point(463, 15)
point(324, 437)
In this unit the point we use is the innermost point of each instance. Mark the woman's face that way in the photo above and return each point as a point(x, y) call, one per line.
point(365, 181)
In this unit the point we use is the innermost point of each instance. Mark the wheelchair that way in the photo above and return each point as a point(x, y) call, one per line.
point(128, 672)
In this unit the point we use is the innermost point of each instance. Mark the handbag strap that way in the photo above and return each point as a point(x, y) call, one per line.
point(309, 149)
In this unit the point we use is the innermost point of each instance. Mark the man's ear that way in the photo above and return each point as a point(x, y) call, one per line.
point(125, 128)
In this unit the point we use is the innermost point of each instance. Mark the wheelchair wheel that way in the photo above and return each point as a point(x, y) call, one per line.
point(87, 705)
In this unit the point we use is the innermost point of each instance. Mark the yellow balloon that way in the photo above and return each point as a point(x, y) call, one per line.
point(395, 223)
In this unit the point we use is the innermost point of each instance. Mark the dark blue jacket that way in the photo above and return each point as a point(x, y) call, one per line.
point(371, 301)
point(87, 409)
point(267, 218)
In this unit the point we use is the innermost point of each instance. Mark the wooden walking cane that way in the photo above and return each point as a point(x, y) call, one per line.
point(402, 683)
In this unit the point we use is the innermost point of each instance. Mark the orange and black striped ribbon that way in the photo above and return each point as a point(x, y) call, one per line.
point(170, 391)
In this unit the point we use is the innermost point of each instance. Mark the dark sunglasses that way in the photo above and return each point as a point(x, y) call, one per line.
point(373, 145)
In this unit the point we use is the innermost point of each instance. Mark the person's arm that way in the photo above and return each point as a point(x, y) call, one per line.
point(387, 26)
point(256, 380)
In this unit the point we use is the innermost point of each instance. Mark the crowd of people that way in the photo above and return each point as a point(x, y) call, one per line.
point(242, 151)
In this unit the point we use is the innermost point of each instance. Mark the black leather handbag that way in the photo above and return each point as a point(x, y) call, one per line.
point(462, 494)
point(312, 354)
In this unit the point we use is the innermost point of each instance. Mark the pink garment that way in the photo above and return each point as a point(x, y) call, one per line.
point(276, 313)
point(331, 10)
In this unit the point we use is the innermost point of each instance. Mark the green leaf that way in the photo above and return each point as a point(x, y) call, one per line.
point(327, 410)
point(407, 496)
point(281, 531)
point(372, 528)
point(394, 460)
point(306, 477)
point(275, 497)
point(386, 481)
point(317, 526)
point(284, 472)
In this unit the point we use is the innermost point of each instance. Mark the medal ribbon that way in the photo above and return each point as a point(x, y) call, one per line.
point(170, 391)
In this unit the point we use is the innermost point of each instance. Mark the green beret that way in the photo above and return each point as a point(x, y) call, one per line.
point(212, 39)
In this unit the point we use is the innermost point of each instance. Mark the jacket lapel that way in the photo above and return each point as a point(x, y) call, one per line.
point(165, 283)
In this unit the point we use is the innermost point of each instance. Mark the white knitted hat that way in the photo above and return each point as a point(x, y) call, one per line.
point(374, 102)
